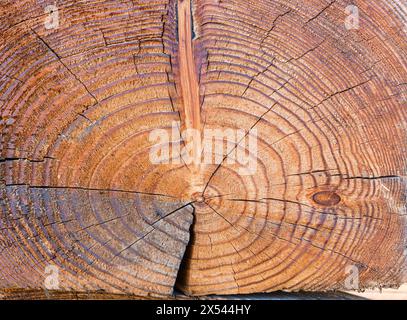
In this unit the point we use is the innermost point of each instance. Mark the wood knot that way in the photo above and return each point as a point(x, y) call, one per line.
point(326, 198)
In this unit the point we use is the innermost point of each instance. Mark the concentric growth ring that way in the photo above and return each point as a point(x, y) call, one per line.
point(298, 161)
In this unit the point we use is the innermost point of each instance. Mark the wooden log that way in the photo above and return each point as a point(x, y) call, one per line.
point(92, 92)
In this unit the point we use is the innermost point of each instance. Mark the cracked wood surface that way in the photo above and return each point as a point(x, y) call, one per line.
point(78, 189)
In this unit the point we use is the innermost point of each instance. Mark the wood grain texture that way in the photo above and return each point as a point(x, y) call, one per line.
point(69, 295)
point(79, 190)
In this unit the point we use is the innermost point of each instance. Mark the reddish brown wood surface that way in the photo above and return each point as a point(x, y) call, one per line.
point(78, 189)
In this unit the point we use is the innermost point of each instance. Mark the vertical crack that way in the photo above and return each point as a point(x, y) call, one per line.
point(188, 79)
point(190, 112)
point(184, 265)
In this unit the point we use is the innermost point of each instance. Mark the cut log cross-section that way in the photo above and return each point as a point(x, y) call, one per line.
point(87, 107)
